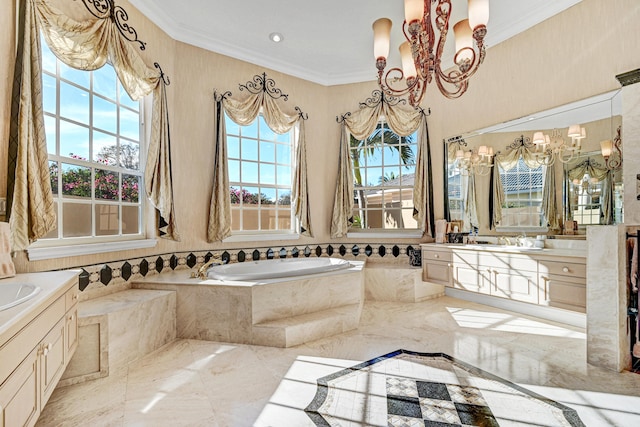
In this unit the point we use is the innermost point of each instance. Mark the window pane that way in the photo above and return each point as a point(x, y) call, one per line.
point(234, 170)
point(265, 131)
point(106, 184)
point(105, 115)
point(105, 148)
point(76, 103)
point(129, 155)
point(48, 58)
point(250, 131)
point(76, 181)
point(74, 140)
point(235, 219)
point(249, 149)
point(283, 154)
point(126, 100)
point(284, 219)
point(107, 220)
point(71, 74)
point(49, 93)
point(284, 198)
point(50, 133)
point(268, 196)
point(129, 124)
point(131, 188)
point(233, 147)
point(267, 173)
point(53, 234)
point(284, 175)
point(76, 219)
point(268, 220)
point(251, 195)
point(285, 138)
point(267, 152)
point(104, 82)
point(236, 195)
point(374, 175)
point(130, 220)
point(249, 172)
point(53, 176)
point(231, 127)
point(250, 219)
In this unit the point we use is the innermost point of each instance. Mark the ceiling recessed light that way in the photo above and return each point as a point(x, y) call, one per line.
point(276, 37)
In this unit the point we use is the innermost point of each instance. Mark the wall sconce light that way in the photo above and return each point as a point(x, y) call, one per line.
point(612, 151)
point(550, 148)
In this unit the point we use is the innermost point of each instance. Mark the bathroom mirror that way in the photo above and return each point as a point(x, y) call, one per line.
point(468, 166)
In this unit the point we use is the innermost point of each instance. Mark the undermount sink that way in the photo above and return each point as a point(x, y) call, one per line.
point(12, 294)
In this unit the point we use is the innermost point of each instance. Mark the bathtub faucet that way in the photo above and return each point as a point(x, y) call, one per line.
point(202, 271)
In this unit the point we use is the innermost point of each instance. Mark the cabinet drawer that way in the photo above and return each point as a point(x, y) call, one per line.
point(508, 261)
point(563, 292)
point(71, 297)
point(437, 272)
point(563, 269)
point(17, 348)
point(434, 255)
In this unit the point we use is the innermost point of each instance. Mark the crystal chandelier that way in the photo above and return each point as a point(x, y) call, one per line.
point(477, 162)
point(550, 148)
point(422, 55)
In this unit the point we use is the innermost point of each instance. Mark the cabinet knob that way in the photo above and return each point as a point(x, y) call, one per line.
point(75, 297)
point(565, 269)
point(46, 349)
point(436, 256)
point(71, 317)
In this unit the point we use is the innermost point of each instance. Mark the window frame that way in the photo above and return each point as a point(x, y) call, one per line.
point(59, 246)
point(245, 235)
point(383, 189)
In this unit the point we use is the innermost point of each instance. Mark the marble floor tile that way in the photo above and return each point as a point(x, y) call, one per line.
point(202, 383)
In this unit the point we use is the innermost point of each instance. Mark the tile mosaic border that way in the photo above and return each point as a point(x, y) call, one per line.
point(124, 271)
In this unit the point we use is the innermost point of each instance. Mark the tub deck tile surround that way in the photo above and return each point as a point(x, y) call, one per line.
point(294, 310)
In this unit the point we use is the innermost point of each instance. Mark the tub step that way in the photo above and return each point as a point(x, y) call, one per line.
point(296, 330)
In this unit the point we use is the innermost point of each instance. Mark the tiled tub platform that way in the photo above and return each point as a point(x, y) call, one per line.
point(275, 312)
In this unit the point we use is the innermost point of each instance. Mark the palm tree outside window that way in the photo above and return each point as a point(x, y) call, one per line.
point(383, 173)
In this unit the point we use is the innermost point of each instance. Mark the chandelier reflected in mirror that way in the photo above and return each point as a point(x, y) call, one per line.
point(612, 151)
point(549, 148)
point(421, 53)
point(477, 162)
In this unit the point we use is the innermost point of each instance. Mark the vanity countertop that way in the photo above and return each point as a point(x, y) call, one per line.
point(53, 284)
point(537, 253)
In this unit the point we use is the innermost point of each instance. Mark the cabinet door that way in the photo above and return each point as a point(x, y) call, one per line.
point(52, 351)
point(437, 272)
point(565, 292)
point(515, 285)
point(470, 278)
point(20, 394)
point(71, 333)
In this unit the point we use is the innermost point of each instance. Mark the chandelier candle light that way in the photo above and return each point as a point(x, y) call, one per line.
point(422, 55)
point(555, 147)
point(478, 162)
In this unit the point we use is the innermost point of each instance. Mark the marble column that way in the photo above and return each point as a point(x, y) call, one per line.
point(631, 151)
point(607, 338)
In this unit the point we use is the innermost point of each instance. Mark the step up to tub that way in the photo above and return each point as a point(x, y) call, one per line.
point(295, 330)
point(119, 328)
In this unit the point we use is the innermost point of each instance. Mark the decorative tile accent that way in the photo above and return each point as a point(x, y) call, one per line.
point(159, 264)
point(241, 256)
point(125, 271)
point(208, 256)
point(395, 251)
point(307, 251)
point(226, 258)
point(255, 255)
point(318, 251)
point(355, 250)
point(83, 279)
point(106, 274)
point(342, 250)
point(329, 250)
point(295, 252)
point(144, 267)
point(173, 262)
point(283, 253)
point(192, 260)
point(270, 253)
point(382, 251)
point(368, 250)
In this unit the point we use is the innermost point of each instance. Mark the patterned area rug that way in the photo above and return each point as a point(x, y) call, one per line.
point(412, 389)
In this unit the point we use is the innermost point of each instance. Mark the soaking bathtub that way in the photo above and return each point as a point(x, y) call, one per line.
point(247, 304)
point(276, 268)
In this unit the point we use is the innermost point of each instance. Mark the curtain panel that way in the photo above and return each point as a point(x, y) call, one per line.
point(244, 112)
point(361, 125)
point(85, 45)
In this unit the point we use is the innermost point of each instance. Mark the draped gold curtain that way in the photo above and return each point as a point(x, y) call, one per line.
point(601, 173)
point(244, 112)
point(85, 45)
point(361, 124)
point(549, 200)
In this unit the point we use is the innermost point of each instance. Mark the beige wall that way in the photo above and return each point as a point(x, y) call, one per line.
point(528, 73)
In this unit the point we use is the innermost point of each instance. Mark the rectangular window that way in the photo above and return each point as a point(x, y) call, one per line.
point(457, 188)
point(384, 169)
point(586, 196)
point(93, 140)
point(260, 178)
point(523, 196)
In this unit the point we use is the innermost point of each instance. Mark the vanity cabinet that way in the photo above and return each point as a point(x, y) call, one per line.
point(532, 277)
point(436, 267)
point(35, 357)
point(563, 285)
